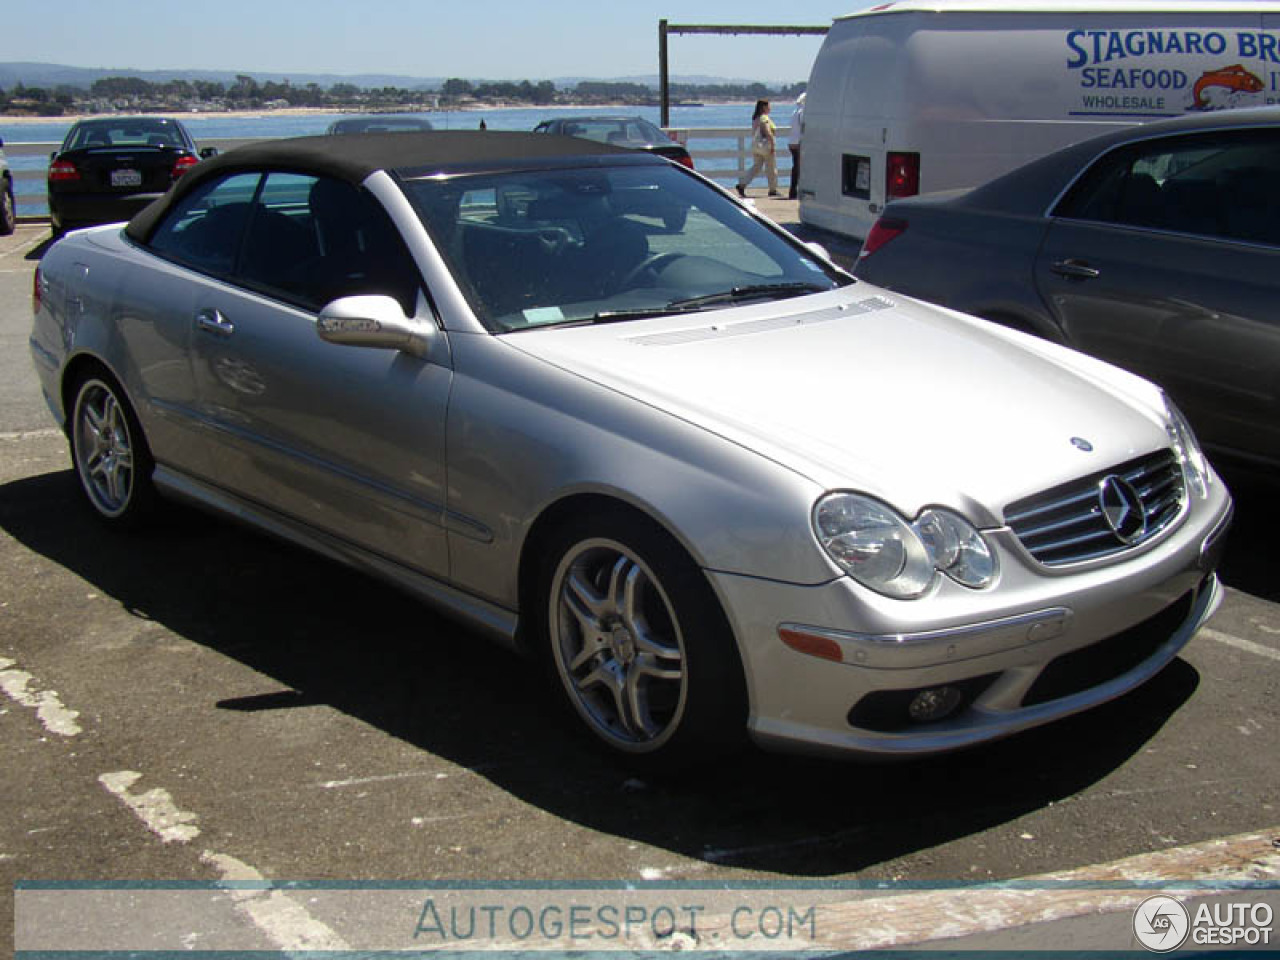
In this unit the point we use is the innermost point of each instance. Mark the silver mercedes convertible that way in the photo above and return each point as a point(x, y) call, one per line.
point(600, 410)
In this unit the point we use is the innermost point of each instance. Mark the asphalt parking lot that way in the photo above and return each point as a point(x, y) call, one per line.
point(202, 700)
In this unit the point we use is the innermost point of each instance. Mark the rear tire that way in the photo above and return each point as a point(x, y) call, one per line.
point(640, 646)
point(110, 453)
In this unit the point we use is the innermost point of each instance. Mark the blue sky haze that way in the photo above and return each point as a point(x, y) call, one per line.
point(489, 39)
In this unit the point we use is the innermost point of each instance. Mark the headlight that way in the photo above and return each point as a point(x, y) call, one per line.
point(885, 552)
point(1187, 449)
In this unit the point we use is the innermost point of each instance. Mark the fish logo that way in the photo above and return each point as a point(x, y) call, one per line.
point(1235, 78)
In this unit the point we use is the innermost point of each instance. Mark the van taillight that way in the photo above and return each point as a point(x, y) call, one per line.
point(882, 231)
point(63, 170)
point(183, 164)
point(902, 175)
point(685, 160)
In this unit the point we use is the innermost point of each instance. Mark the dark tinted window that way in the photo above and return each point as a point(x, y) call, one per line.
point(352, 246)
point(1223, 185)
point(204, 230)
point(126, 132)
point(304, 239)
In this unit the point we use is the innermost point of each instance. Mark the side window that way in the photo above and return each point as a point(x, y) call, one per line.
point(351, 246)
point(1216, 185)
point(281, 243)
point(203, 232)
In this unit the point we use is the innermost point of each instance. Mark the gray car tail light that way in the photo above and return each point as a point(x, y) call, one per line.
point(1071, 522)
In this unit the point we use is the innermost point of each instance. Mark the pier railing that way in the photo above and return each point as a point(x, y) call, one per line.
point(720, 153)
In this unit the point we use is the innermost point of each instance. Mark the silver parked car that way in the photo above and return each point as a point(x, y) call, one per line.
point(714, 483)
point(1156, 248)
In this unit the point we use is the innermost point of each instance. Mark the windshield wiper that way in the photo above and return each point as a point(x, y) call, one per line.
point(605, 316)
point(753, 292)
point(637, 313)
point(689, 305)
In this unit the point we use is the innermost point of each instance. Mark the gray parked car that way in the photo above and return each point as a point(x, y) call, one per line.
point(715, 484)
point(1156, 248)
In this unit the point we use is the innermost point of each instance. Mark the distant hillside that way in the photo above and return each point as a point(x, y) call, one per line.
point(54, 75)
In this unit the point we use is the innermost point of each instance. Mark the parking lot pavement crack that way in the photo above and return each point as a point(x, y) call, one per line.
point(20, 686)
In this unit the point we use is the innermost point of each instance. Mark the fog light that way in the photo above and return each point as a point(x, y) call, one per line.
point(934, 704)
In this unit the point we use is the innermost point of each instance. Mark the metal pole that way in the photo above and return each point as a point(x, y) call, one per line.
point(664, 82)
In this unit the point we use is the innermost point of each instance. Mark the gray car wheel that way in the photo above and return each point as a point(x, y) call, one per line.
point(110, 453)
point(8, 212)
point(640, 644)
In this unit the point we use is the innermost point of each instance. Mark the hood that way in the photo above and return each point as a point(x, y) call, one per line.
point(860, 389)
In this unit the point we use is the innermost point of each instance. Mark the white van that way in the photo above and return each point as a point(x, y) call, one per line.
point(922, 95)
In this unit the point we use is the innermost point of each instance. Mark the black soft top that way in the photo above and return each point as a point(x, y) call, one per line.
point(353, 157)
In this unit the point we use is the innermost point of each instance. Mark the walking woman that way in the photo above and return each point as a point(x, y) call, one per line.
point(763, 141)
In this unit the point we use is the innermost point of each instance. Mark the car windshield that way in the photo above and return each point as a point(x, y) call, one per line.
point(124, 133)
point(391, 124)
point(623, 131)
point(595, 244)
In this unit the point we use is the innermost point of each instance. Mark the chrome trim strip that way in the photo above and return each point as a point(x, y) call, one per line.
point(903, 651)
point(424, 510)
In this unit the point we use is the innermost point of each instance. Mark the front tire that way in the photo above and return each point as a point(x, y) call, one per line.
point(110, 453)
point(640, 644)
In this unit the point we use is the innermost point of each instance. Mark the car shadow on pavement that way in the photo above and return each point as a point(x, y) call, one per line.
point(330, 637)
point(1249, 564)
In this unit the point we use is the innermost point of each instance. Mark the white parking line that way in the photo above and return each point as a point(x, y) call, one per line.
point(155, 808)
point(285, 922)
point(22, 250)
point(18, 686)
point(921, 918)
point(1240, 643)
point(42, 434)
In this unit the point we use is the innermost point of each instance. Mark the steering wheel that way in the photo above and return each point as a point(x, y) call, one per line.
point(553, 240)
point(652, 264)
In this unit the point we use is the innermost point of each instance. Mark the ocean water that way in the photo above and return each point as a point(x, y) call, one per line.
point(216, 126)
point(206, 126)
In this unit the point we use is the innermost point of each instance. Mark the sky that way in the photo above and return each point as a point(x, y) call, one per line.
point(481, 39)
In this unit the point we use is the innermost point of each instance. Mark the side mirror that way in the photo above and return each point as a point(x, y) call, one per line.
point(819, 250)
point(207, 152)
point(377, 321)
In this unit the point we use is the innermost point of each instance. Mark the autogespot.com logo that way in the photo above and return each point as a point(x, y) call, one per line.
point(1161, 924)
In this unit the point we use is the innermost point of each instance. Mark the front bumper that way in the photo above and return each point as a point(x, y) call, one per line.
point(1038, 646)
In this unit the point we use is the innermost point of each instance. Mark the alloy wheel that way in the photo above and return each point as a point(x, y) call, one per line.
point(618, 646)
point(104, 448)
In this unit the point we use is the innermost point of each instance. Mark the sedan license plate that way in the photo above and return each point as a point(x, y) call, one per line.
point(126, 178)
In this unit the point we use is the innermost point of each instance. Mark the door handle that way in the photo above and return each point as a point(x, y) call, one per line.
point(1075, 270)
point(212, 321)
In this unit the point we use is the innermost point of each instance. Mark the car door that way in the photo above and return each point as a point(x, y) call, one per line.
point(1165, 259)
point(347, 440)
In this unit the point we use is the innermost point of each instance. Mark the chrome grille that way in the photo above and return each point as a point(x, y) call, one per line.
point(1067, 525)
